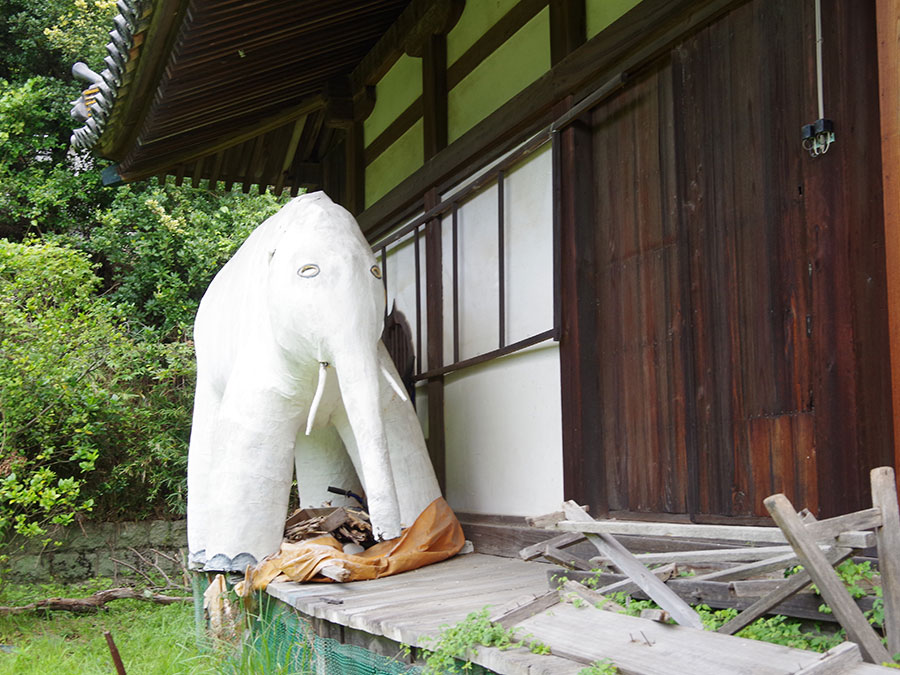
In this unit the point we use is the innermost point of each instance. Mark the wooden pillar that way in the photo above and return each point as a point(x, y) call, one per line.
point(434, 95)
point(583, 460)
point(568, 29)
point(434, 127)
point(434, 302)
point(888, 31)
point(355, 200)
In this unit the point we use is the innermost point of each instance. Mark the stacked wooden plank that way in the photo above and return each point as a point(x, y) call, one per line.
point(798, 539)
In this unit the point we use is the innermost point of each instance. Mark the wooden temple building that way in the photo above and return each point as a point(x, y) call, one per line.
point(648, 250)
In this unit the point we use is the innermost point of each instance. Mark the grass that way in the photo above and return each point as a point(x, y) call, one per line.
point(151, 639)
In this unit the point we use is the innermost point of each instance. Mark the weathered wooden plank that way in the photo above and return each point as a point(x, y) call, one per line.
point(560, 541)
point(565, 559)
point(793, 584)
point(771, 535)
point(596, 598)
point(663, 573)
point(884, 497)
point(748, 569)
point(522, 609)
point(624, 560)
point(651, 648)
point(830, 586)
point(835, 661)
point(715, 555)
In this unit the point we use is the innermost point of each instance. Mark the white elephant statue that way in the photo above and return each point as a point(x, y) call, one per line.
point(291, 370)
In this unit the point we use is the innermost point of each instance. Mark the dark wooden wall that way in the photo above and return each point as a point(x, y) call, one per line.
point(739, 284)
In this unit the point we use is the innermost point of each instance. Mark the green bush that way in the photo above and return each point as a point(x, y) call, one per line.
point(59, 348)
point(98, 292)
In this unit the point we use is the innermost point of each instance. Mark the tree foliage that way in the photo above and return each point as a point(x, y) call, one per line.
point(98, 291)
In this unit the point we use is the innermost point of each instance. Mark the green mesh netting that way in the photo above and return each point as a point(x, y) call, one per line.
point(284, 643)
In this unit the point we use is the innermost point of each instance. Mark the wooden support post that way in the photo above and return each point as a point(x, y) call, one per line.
point(567, 28)
point(576, 313)
point(622, 558)
point(830, 586)
point(887, 20)
point(795, 583)
point(434, 302)
point(884, 497)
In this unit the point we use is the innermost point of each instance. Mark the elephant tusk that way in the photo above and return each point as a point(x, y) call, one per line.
point(320, 388)
point(401, 392)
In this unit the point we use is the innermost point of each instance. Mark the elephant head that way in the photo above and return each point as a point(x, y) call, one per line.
point(288, 348)
point(325, 272)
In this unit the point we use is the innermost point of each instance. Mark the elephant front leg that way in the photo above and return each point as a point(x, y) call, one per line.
point(250, 479)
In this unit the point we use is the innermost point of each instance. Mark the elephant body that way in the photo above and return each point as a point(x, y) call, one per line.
point(291, 371)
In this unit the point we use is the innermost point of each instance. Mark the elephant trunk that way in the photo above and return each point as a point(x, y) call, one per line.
point(359, 376)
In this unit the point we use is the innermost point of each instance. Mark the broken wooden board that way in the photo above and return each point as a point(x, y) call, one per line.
point(683, 613)
point(785, 590)
point(522, 608)
point(829, 584)
point(739, 595)
point(598, 600)
point(884, 497)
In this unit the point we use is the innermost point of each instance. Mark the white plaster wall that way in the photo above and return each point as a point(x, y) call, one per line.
point(503, 435)
point(502, 418)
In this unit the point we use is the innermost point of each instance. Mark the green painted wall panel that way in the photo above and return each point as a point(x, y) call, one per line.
point(477, 17)
point(517, 63)
point(396, 163)
point(394, 93)
point(601, 13)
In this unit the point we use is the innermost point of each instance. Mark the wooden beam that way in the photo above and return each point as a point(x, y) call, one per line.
point(420, 19)
point(501, 31)
point(356, 169)
point(828, 582)
point(821, 531)
point(568, 29)
point(250, 132)
point(401, 124)
point(434, 95)
point(888, 32)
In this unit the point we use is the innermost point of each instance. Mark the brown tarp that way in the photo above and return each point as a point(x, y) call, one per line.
point(436, 535)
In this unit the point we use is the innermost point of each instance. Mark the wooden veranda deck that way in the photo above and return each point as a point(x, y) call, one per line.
point(410, 608)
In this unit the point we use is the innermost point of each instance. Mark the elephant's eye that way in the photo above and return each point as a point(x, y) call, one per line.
point(308, 271)
point(376, 271)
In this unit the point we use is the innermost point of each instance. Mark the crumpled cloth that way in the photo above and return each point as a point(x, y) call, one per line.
point(436, 535)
